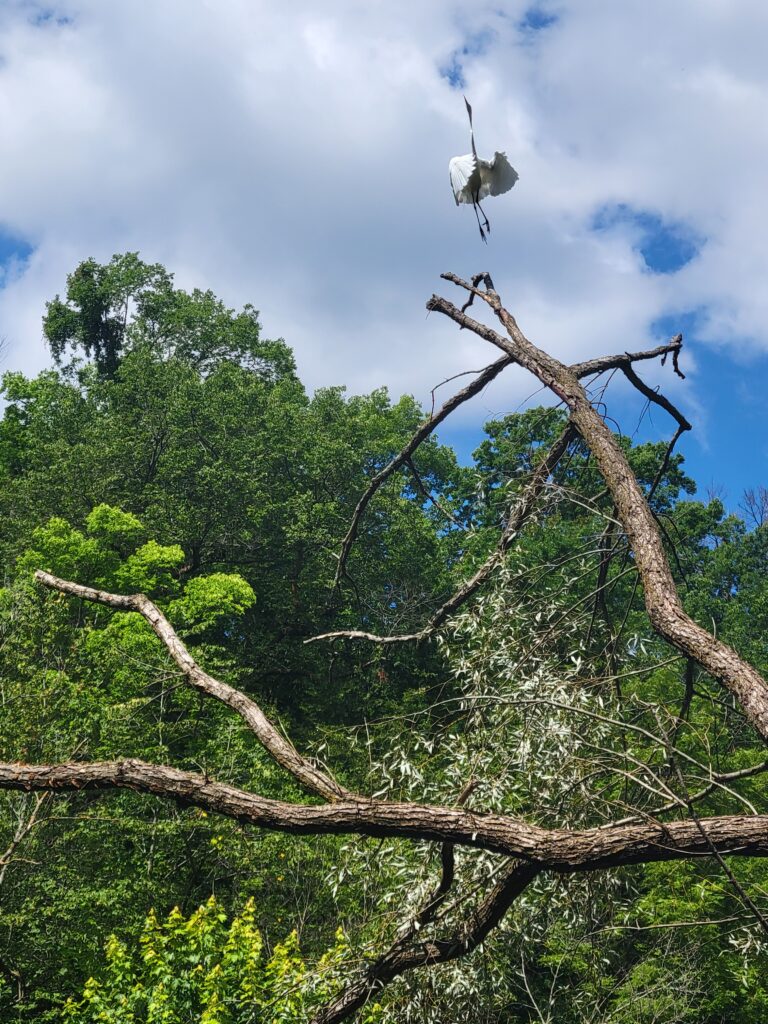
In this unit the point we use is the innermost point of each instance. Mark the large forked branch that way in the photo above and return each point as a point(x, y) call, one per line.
point(560, 850)
point(281, 749)
point(521, 512)
point(427, 427)
point(661, 599)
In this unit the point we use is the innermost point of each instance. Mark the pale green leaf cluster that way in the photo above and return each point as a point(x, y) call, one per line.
point(207, 970)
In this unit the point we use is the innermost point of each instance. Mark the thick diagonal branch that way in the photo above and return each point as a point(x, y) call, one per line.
point(661, 599)
point(281, 749)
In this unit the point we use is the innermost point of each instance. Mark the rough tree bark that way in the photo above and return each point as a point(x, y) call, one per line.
point(530, 848)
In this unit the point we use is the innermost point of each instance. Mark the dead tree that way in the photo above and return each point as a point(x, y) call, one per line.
point(528, 848)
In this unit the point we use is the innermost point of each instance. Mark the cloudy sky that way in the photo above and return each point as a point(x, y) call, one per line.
point(294, 155)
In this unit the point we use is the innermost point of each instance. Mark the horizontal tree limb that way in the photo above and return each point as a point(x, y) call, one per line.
point(560, 850)
point(625, 359)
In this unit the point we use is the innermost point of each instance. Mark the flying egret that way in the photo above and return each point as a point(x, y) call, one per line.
point(473, 179)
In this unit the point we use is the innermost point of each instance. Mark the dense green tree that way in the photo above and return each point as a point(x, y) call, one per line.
point(95, 315)
point(126, 304)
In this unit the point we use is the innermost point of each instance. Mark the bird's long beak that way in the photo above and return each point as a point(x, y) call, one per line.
point(471, 129)
point(469, 110)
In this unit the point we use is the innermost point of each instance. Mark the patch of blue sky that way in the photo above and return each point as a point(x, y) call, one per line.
point(47, 16)
point(666, 246)
point(727, 452)
point(687, 323)
point(453, 72)
point(536, 19)
point(475, 45)
point(14, 252)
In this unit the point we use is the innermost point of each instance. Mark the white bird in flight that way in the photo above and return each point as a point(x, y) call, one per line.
point(473, 179)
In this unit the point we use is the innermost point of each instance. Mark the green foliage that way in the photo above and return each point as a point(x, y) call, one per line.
point(114, 527)
point(201, 969)
point(208, 599)
point(127, 304)
point(95, 314)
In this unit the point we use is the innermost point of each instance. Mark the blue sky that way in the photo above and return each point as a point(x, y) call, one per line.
point(13, 252)
point(725, 456)
point(296, 157)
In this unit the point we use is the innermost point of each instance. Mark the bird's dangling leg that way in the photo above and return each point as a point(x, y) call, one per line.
point(479, 225)
point(476, 207)
point(487, 222)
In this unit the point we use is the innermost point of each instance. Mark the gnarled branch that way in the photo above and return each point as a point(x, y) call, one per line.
point(281, 749)
point(560, 850)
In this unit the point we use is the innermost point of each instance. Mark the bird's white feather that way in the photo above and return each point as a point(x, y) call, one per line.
point(496, 176)
point(461, 169)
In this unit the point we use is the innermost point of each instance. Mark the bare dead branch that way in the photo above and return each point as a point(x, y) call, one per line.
point(665, 461)
point(373, 638)
point(624, 359)
point(660, 594)
point(754, 504)
point(281, 749)
point(655, 396)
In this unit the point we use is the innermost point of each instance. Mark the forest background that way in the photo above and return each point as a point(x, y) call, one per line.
point(174, 451)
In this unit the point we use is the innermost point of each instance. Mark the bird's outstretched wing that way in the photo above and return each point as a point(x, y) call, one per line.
point(460, 170)
point(496, 176)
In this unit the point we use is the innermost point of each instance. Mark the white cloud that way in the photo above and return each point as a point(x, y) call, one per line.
point(295, 155)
